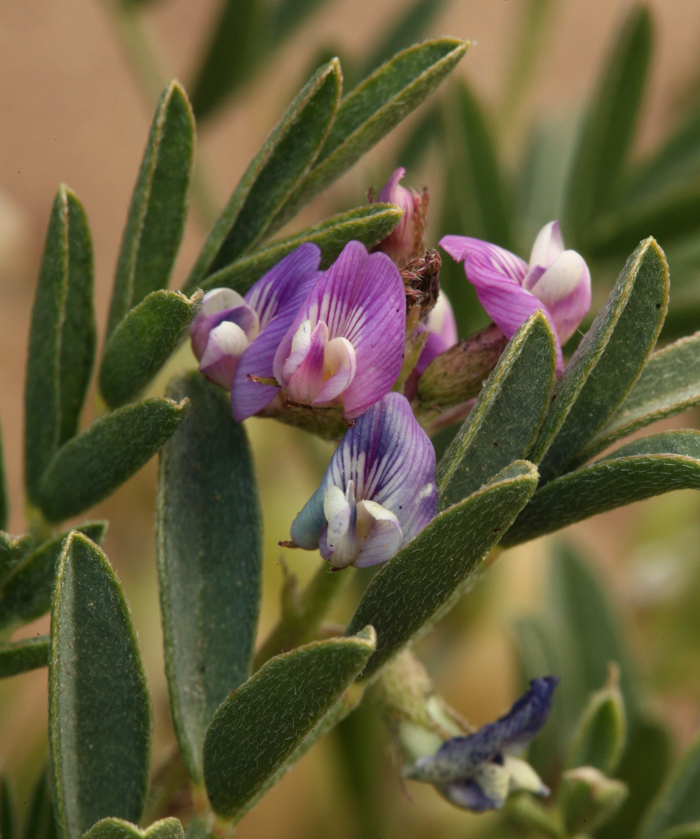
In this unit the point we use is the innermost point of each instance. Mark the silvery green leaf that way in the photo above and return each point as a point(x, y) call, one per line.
point(600, 736)
point(428, 574)
point(261, 725)
point(22, 656)
point(273, 175)
point(92, 465)
point(588, 799)
point(607, 362)
point(61, 338)
point(642, 469)
point(26, 594)
point(142, 343)
point(209, 561)
point(502, 425)
point(120, 829)
point(158, 209)
point(99, 706)
point(13, 549)
point(368, 225)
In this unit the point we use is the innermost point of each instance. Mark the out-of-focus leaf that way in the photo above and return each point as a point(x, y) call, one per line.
point(475, 170)
point(99, 706)
point(13, 549)
point(142, 343)
point(92, 465)
point(22, 656)
point(607, 362)
point(668, 385)
point(502, 425)
point(372, 110)
point(4, 500)
point(8, 817)
point(600, 737)
point(428, 574)
point(678, 803)
point(289, 14)
point(683, 831)
point(120, 829)
point(609, 126)
point(158, 209)
point(235, 45)
point(26, 594)
point(41, 822)
point(368, 225)
point(61, 339)
point(273, 175)
point(417, 142)
point(642, 469)
point(588, 799)
point(209, 561)
point(258, 728)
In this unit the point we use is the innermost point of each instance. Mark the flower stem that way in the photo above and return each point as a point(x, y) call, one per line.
point(303, 612)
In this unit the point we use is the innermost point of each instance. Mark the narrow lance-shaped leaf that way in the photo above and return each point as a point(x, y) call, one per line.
point(610, 123)
point(158, 209)
point(209, 561)
point(13, 549)
point(92, 465)
point(142, 343)
point(26, 594)
point(263, 722)
point(600, 737)
point(285, 157)
point(642, 469)
point(425, 577)
point(503, 423)
point(8, 817)
point(120, 829)
point(99, 707)
point(372, 110)
point(22, 656)
point(368, 225)
point(607, 362)
point(61, 339)
point(41, 821)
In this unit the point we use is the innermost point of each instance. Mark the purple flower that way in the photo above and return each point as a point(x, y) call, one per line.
point(478, 771)
point(441, 327)
point(556, 281)
point(345, 345)
point(233, 335)
point(378, 491)
point(405, 241)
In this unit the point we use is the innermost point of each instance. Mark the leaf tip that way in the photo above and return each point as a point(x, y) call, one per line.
point(367, 636)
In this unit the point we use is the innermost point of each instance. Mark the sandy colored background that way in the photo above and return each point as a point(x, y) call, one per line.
point(72, 110)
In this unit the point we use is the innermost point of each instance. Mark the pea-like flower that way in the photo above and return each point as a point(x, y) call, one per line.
point(229, 325)
point(441, 327)
point(407, 240)
point(478, 771)
point(378, 491)
point(556, 281)
point(345, 346)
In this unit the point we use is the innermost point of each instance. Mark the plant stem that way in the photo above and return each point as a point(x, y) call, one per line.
point(302, 612)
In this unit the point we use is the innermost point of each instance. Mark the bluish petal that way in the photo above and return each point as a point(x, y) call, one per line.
point(385, 534)
point(219, 305)
point(248, 397)
point(468, 795)
point(286, 284)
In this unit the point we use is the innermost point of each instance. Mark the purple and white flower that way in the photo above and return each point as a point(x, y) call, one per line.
point(345, 345)
point(406, 240)
point(478, 771)
point(556, 281)
point(231, 329)
point(441, 327)
point(378, 491)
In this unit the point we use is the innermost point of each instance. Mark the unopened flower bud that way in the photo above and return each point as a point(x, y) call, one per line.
point(589, 799)
point(407, 239)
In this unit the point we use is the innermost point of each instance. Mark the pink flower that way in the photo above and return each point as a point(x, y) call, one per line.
point(405, 242)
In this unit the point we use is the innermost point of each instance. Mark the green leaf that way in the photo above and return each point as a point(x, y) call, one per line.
point(678, 803)
point(22, 656)
point(41, 823)
point(601, 733)
point(372, 110)
point(209, 561)
point(158, 209)
point(668, 385)
point(99, 706)
point(475, 170)
point(8, 817)
point(58, 370)
point(428, 574)
point(289, 15)
point(368, 225)
point(642, 469)
point(261, 724)
point(609, 125)
point(142, 343)
point(13, 549)
point(92, 465)
point(26, 594)
point(683, 831)
point(588, 799)
point(120, 829)
point(502, 425)
point(274, 173)
point(607, 362)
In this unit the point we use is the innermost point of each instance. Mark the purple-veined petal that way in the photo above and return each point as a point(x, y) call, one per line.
point(390, 193)
point(304, 369)
point(340, 363)
point(286, 284)
point(384, 535)
point(442, 332)
point(565, 289)
point(219, 305)
point(249, 397)
point(485, 256)
point(548, 245)
point(400, 244)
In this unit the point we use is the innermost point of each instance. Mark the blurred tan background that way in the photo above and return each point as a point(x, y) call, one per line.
point(72, 110)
